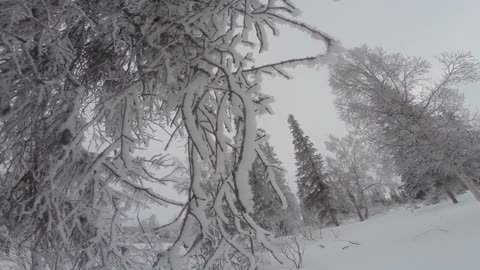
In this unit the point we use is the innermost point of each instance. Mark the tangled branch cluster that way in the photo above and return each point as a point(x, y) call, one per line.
point(113, 72)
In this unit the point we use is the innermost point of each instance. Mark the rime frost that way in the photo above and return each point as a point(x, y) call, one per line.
point(113, 75)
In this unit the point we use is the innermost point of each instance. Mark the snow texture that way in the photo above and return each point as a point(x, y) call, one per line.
point(440, 237)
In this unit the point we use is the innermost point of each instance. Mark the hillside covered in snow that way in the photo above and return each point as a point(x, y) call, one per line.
point(441, 237)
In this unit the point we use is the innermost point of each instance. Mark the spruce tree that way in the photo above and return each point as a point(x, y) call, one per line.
point(267, 204)
point(313, 190)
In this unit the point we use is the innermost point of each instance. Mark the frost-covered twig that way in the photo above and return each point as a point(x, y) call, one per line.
point(292, 249)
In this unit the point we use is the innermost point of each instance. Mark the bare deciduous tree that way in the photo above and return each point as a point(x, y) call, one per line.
point(350, 168)
point(419, 122)
point(292, 249)
point(116, 72)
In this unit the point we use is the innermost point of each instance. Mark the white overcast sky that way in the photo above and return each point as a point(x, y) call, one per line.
point(416, 28)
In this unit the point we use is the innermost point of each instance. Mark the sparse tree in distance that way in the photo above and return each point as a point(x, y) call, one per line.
point(349, 167)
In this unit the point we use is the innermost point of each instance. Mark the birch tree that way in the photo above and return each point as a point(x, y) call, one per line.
point(418, 121)
point(351, 169)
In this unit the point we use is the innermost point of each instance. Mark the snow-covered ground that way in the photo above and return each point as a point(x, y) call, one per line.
point(438, 237)
point(6, 264)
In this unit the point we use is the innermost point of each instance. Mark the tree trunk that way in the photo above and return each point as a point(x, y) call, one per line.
point(334, 218)
point(5, 246)
point(359, 213)
point(37, 260)
point(469, 183)
point(354, 202)
point(365, 215)
point(452, 197)
point(364, 206)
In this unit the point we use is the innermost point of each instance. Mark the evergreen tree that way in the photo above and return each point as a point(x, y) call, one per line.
point(267, 204)
point(313, 190)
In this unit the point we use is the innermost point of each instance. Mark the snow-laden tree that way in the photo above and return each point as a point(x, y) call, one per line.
point(114, 73)
point(419, 122)
point(431, 187)
point(268, 206)
point(351, 168)
point(314, 192)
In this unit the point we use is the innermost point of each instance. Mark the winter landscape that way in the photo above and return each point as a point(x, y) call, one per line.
point(227, 134)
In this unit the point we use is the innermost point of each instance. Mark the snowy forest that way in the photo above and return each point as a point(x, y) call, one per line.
point(114, 114)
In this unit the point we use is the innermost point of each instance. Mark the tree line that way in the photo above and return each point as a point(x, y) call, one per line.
point(85, 86)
